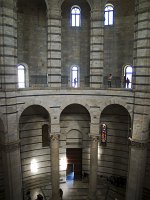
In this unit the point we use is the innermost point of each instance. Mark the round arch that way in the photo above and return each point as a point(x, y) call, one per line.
point(60, 2)
point(78, 102)
point(118, 102)
point(115, 131)
point(32, 103)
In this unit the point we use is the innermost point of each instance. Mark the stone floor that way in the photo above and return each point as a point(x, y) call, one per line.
point(78, 190)
point(75, 190)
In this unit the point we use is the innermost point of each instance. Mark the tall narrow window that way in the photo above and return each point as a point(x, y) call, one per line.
point(75, 16)
point(128, 71)
point(21, 76)
point(45, 135)
point(74, 76)
point(109, 14)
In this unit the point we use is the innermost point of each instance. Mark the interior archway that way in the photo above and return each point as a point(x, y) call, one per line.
point(114, 155)
point(35, 157)
point(74, 121)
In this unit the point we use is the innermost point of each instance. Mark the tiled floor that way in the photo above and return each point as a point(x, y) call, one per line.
point(75, 190)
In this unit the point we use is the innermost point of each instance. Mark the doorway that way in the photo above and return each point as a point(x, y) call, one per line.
point(74, 166)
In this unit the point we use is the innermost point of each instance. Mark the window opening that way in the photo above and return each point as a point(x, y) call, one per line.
point(75, 16)
point(109, 14)
point(45, 135)
point(74, 76)
point(21, 76)
point(128, 71)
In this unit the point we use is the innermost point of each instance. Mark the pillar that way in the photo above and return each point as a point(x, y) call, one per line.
point(141, 58)
point(8, 44)
point(94, 135)
point(93, 168)
point(138, 153)
point(54, 147)
point(137, 158)
point(97, 45)
point(12, 170)
point(54, 44)
point(54, 152)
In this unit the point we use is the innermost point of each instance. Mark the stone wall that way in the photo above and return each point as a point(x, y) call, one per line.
point(118, 39)
point(32, 36)
point(76, 41)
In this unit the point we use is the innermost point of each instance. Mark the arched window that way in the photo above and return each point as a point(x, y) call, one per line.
point(45, 135)
point(109, 14)
point(75, 16)
point(21, 76)
point(128, 71)
point(75, 76)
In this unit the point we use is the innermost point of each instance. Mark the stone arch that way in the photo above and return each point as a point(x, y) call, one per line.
point(75, 123)
point(78, 102)
point(118, 130)
point(90, 2)
point(122, 103)
point(32, 103)
point(32, 146)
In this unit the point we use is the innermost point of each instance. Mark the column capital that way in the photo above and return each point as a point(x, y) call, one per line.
point(9, 147)
point(94, 138)
point(138, 144)
point(54, 136)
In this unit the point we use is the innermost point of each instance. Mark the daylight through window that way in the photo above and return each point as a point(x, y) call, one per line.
point(109, 14)
point(75, 16)
point(21, 76)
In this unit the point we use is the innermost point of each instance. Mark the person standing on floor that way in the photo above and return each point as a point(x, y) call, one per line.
point(75, 82)
point(109, 80)
point(127, 81)
point(61, 193)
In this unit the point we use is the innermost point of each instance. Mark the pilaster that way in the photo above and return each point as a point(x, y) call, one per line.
point(54, 46)
point(97, 46)
point(142, 45)
point(8, 44)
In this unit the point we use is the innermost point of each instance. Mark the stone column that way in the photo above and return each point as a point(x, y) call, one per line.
point(54, 147)
point(93, 167)
point(97, 45)
point(142, 45)
point(8, 44)
point(54, 152)
point(54, 45)
point(138, 153)
point(12, 170)
point(137, 159)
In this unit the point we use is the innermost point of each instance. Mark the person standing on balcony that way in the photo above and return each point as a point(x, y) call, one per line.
point(109, 80)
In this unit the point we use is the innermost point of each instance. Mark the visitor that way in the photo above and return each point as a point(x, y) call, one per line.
point(127, 81)
point(61, 193)
point(75, 82)
point(28, 195)
point(109, 80)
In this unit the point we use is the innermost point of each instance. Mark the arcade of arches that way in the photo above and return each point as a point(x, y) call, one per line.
point(54, 130)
